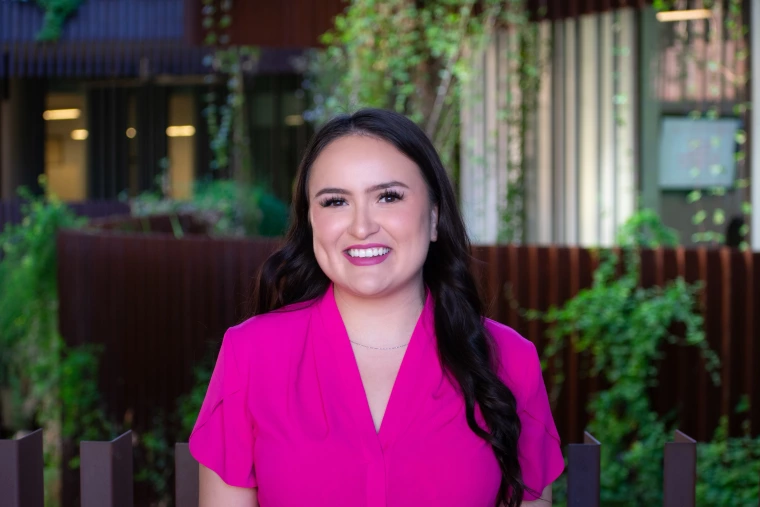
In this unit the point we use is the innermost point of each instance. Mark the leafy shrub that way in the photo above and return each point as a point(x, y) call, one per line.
point(233, 210)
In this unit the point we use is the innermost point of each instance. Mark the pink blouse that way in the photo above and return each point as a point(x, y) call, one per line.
point(286, 412)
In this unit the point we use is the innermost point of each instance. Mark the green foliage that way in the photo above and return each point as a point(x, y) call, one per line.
point(234, 210)
point(82, 406)
point(728, 468)
point(189, 405)
point(29, 336)
point(154, 452)
point(50, 386)
point(56, 14)
point(623, 327)
point(225, 114)
point(405, 56)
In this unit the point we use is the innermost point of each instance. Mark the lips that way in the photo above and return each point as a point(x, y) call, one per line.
point(367, 255)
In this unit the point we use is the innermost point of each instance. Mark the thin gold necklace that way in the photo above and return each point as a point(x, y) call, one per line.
point(378, 348)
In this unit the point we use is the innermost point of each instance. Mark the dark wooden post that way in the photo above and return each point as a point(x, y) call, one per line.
point(186, 477)
point(583, 474)
point(680, 472)
point(21, 467)
point(106, 472)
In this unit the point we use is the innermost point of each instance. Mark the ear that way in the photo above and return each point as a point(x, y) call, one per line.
point(434, 223)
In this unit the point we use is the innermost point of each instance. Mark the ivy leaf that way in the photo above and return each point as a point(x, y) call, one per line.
point(699, 217)
point(719, 217)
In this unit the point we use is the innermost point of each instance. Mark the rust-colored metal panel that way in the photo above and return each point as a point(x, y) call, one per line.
point(160, 304)
point(283, 24)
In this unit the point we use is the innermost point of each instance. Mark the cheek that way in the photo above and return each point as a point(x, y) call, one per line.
point(326, 227)
point(409, 224)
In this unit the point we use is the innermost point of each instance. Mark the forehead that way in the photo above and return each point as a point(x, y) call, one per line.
point(357, 160)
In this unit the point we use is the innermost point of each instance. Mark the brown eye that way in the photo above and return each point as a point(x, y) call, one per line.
point(332, 202)
point(390, 196)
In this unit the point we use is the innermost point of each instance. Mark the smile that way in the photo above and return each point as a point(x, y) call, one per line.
point(367, 252)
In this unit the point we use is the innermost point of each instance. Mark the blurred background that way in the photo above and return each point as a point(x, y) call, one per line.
point(601, 151)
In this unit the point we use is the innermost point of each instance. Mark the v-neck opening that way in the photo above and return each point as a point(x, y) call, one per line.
point(416, 344)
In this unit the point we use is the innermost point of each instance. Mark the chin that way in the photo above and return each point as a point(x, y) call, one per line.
point(367, 287)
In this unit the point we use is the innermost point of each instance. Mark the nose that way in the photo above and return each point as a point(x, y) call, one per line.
point(363, 223)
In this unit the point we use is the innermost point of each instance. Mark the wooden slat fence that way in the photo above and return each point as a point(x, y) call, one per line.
point(107, 475)
point(160, 305)
point(538, 277)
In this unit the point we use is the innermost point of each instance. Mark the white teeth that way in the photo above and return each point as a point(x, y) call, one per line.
point(368, 252)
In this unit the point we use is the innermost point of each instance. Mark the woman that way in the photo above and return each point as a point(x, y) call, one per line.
point(368, 375)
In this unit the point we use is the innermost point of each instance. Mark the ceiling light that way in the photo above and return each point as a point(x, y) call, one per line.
point(131, 133)
point(79, 134)
point(61, 114)
point(684, 15)
point(294, 120)
point(180, 131)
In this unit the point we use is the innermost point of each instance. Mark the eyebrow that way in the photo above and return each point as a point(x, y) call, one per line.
point(374, 188)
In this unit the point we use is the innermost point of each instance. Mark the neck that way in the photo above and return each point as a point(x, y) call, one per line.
point(381, 321)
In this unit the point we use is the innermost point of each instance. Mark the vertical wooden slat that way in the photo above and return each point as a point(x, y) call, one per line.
point(589, 131)
point(21, 466)
point(726, 332)
point(570, 188)
point(186, 477)
point(583, 472)
point(680, 476)
point(625, 143)
point(544, 183)
point(752, 326)
point(572, 365)
point(491, 201)
point(559, 160)
point(606, 131)
point(106, 473)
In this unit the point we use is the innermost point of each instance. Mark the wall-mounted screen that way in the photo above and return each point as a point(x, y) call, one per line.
point(697, 153)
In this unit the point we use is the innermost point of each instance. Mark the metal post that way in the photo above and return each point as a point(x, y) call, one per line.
point(680, 472)
point(583, 475)
point(186, 476)
point(106, 472)
point(21, 467)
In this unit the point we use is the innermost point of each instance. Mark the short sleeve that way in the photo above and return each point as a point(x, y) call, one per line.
point(539, 450)
point(223, 436)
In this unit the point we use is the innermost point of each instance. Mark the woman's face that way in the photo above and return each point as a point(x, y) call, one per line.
point(371, 216)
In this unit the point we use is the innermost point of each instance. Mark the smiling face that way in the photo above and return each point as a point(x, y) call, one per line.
point(371, 216)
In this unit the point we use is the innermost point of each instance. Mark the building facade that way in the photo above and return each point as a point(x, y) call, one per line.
point(117, 105)
point(634, 110)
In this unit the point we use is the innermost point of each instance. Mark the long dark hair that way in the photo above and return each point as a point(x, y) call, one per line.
point(466, 350)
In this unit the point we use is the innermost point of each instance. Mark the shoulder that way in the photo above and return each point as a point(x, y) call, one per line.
point(516, 357)
point(269, 332)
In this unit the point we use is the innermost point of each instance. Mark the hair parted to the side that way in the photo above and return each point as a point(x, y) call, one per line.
point(466, 350)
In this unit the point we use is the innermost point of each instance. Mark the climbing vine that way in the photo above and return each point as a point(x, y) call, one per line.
point(408, 56)
point(623, 328)
point(225, 112)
